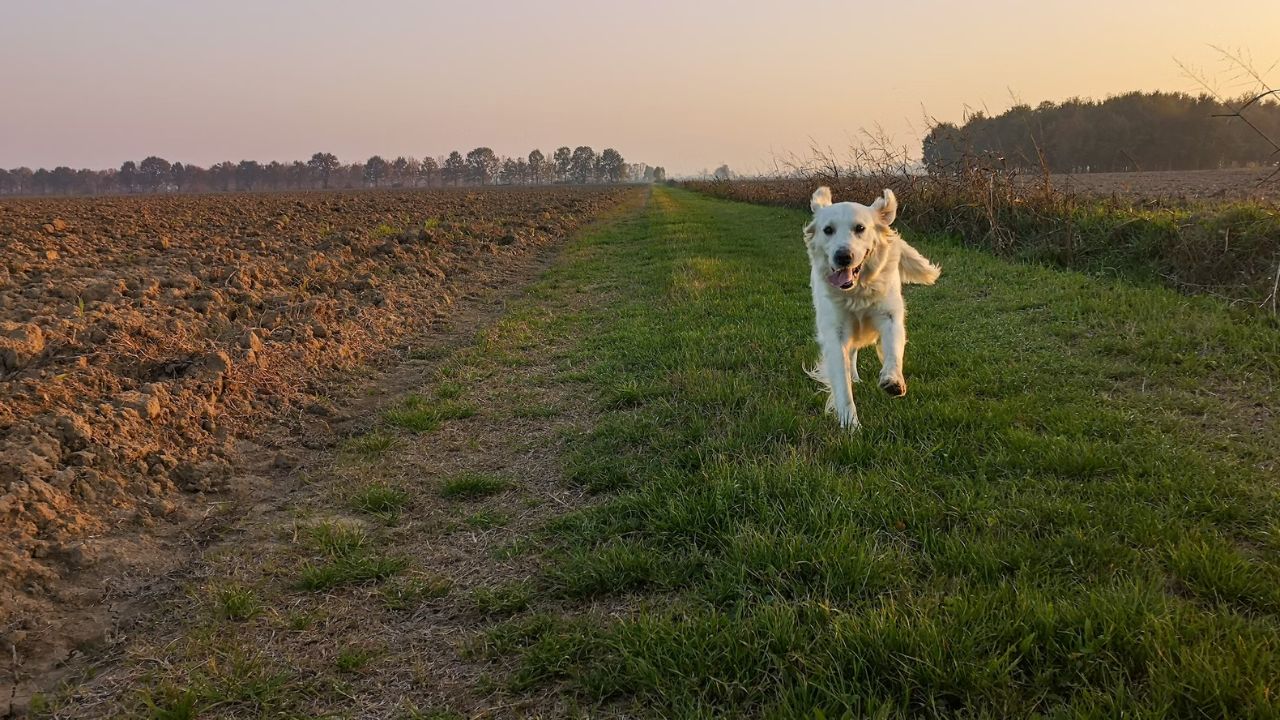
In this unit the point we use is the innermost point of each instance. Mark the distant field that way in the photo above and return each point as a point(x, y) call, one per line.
point(623, 499)
point(142, 337)
point(1182, 184)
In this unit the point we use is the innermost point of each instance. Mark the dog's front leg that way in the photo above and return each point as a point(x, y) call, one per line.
point(893, 342)
point(836, 366)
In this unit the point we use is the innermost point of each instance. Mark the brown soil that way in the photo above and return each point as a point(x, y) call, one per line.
point(419, 649)
point(144, 340)
point(1239, 184)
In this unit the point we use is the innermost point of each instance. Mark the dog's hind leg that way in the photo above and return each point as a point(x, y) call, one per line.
point(853, 365)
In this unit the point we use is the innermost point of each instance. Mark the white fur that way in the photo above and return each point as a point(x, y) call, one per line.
point(872, 310)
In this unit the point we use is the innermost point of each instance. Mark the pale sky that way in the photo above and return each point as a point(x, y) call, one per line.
point(687, 84)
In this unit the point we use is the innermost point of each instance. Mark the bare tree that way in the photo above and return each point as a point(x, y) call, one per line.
point(248, 174)
point(613, 168)
point(429, 170)
point(178, 176)
point(375, 170)
point(154, 171)
point(275, 174)
point(563, 159)
point(582, 164)
point(62, 179)
point(482, 165)
point(537, 165)
point(323, 165)
point(399, 169)
point(455, 168)
point(128, 176)
point(411, 168)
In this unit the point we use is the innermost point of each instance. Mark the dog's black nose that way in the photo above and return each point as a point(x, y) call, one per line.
point(843, 258)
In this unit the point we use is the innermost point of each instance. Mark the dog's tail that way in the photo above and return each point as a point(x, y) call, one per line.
point(916, 268)
point(821, 198)
point(816, 372)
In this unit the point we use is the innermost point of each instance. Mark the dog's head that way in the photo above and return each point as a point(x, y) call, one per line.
point(842, 236)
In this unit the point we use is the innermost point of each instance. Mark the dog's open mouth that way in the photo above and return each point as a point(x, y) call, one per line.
point(844, 277)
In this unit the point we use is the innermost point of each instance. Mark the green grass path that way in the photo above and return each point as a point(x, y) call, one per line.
point(1073, 513)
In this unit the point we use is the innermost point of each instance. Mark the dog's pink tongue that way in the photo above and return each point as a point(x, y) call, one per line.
point(841, 278)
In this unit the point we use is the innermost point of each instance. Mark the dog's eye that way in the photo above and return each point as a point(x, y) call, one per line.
point(859, 229)
point(829, 230)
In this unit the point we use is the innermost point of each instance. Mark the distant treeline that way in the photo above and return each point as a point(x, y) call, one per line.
point(481, 166)
point(1134, 131)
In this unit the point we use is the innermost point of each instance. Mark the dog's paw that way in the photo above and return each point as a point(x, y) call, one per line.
point(848, 420)
point(895, 386)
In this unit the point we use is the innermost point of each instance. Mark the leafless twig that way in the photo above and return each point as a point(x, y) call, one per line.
point(1262, 90)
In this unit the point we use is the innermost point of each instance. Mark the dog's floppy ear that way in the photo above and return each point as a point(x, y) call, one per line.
point(886, 206)
point(821, 198)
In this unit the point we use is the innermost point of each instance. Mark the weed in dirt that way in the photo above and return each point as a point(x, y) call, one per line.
point(171, 703)
point(381, 499)
point(239, 680)
point(514, 549)
point(449, 390)
point(369, 446)
point(336, 539)
point(349, 570)
point(472, 486)
point(409, 593)
point(236, 602)
point(428, 353)
point(502, 599)
point(40, 704)
point(419, 415)
point(348, 559)
point(353, 659)
point(486, 519)
point(535, 410)
point(414, 713)
point(300, 620)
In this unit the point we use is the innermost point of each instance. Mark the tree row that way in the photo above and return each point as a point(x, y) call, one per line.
point(481, 166)
point(1133, 131)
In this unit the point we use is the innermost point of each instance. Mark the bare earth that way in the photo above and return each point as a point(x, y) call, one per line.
point(154, 349)
point(1241, 184)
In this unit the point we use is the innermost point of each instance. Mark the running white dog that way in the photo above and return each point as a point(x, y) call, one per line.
point(859, 265)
